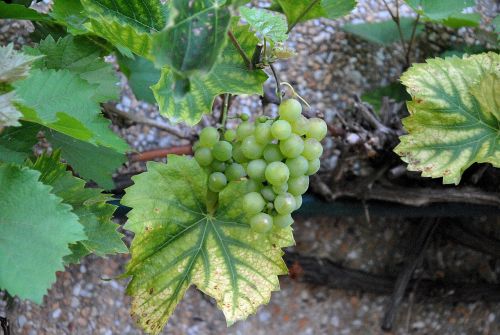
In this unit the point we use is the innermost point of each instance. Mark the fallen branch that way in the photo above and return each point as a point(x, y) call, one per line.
point(161, 153)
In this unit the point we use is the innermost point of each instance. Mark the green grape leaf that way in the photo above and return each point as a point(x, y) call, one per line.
point(71, 14)
point(126, 24)
point(439, 10)
point(16, 144)
point(14, 65)
point(82, 57)
point(451, 123)
point(36, 229)
point(385, 32)
point(61, 100)
point(178, 243)
point(268, 25)
point(20, 12)
point(395, 91)
point(330, 9)
point(194, 38)
point(141, 74)
point(89, 204)
point(463, 20)
point(91, 162)
point(229, 75)
point(9, 115)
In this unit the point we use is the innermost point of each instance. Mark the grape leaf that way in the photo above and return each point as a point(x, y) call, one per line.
point(194, 38)
point(71, 14)
point(126, 24)
point(385, 32)
point(178, 243)
point(439, 10)
point(20, 12)
point(331, 9)
point(141, 74)
point(91, 162)
point(9, 115)
point(267, 24)
point(229, 75)
point(16, 144)
point(61, 100)
point(451, 123)
point(14, 65)
point(82, 57)
point(89, 204)
point(35, 230)
point(462, 20)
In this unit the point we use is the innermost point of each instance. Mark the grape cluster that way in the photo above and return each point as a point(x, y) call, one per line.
point(277, 156)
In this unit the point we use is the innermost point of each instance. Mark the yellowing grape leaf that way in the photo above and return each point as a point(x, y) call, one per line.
point(453, 120)
point(178, 243)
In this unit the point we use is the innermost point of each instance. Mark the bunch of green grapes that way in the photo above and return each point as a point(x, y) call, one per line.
point(276, 156)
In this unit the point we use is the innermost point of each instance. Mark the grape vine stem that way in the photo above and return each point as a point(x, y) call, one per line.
point(242, 52)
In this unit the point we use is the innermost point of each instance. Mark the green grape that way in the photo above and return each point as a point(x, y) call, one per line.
point(235, 171)
point(314, 166)
point(261, 223)
point(204, 156)
point(290, 110)
point(256, 169)
point(300, 125)
point(253, 186)
point(312, 149)
point(238, 154)
point(283, 221)
point(217, 181)
point(250, 148)
point(298, 201)
point(317, 129)
point(277, 173)
point(280, 189)
point(292, 147)
point(284, 203)
point(262, 119)
point(208, 137)
point(297, 166)
point(222, 151)
point(272, 153)
point(281, 129)
point(244, 117)
point(218, 166)
point(269, 206)
point(268, 193)
point(196, 145)
point(263, 133)
point(244, 129)
point(230, 135)
point(253, 203)
point(298, 185)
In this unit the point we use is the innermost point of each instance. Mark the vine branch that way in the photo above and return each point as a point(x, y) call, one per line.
point(242, 52)
point(225, 109)
point(277, 79)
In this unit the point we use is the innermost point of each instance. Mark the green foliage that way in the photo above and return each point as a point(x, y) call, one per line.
point(20, 12)
point(126, 24)
point(9, 115)
point(82, 57)
point(385, 32)
point(270, 26)
point(141, 74)
point(89, 204)
point(439, 10)
point(395, 91)
point(454, 119)
point(331, 9)
point(194, 37)
point(92, 162)
point(16, 144)
point(36, 228)
point(463, 20)
point(179, 242)
point(71, 14)
point(229, 75)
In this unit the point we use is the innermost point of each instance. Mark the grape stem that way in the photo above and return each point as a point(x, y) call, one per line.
point(277, 79)
point(225, 110)
point(295, 94)
point(242, 52)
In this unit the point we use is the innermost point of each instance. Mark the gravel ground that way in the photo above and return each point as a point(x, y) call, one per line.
point(330, 67)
